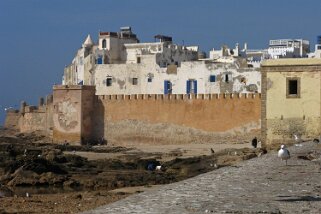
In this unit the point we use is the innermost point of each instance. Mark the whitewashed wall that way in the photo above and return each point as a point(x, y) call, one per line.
point(200, 71)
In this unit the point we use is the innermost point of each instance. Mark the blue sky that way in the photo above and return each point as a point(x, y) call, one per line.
point(39, 37)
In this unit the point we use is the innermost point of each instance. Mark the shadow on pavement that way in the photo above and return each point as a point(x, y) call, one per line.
point(303, 198)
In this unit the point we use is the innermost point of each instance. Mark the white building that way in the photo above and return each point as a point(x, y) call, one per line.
point(288, 48)
point(317, 50)
point(192, 77)
point(225, 51)
point(82, 66)
point(119, 64)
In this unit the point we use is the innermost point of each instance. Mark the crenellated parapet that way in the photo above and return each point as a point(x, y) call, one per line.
point(180, 96)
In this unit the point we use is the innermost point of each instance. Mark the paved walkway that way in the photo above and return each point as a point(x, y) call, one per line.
point(260, 185)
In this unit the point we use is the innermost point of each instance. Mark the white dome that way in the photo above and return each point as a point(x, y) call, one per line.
point(88, 42)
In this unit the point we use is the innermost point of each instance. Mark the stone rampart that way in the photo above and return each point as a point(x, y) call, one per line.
point(12, 119)
point(76, 115)
point(221, 113)
point(32, 118)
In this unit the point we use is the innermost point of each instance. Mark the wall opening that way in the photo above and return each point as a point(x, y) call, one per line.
point(226, 78)
point(212, 78)
point(104, 43)
point(135, 81)
point(109, 81)
point(293, 87)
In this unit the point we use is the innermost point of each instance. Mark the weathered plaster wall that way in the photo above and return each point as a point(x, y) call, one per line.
point(67, 115)
point(49, 116)
point(87, 111)
point(287, 116)
point(32, 118)
point(165, 53)
point(81, 67)
point(282, 117)
point(242, 80)
point(33, 121)
point(213, 113)
point(12, 119)
point(72, 108)
point(89, 65)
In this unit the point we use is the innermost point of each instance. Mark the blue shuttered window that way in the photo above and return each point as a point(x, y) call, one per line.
point(191, 87)
point(165, 87)
point(188, 86)
point(212, 78)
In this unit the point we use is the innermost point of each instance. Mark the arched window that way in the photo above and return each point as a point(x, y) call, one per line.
point(104, 43)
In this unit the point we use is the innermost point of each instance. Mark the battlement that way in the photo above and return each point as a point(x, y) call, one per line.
point(41, 108)
point(180, 96)
point(73, 87)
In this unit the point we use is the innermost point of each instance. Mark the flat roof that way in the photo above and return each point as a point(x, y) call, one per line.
point(291, 62)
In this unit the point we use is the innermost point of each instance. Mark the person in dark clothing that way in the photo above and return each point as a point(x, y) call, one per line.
point(151, 167)
point(254, 142)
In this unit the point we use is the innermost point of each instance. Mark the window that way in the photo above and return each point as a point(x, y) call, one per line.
point(104, 45)
point(109, 81)
point(168, 87)
point(138, 60)
point(149, 79)
point(292, 87)
point(228, 78)
point(212, 78)
point(191, 86)
point(135, 81)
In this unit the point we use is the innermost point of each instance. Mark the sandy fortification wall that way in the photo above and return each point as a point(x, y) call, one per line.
point(175, 117)
point(77, 115)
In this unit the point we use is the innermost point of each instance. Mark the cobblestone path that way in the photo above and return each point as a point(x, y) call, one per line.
point(259, 185)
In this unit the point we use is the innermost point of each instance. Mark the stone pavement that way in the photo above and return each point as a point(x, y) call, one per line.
point(259, 185)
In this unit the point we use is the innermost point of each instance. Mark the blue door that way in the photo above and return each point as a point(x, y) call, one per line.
point(167, 87)
point(100, 60)
point(188, 86)
point(191, 87)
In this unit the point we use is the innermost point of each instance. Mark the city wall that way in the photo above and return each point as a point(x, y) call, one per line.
point(32, 118)
point(12, 119)
point(128, 116)
point(77, 115)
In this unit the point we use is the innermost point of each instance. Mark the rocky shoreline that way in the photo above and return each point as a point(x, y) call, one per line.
point(33, 171)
